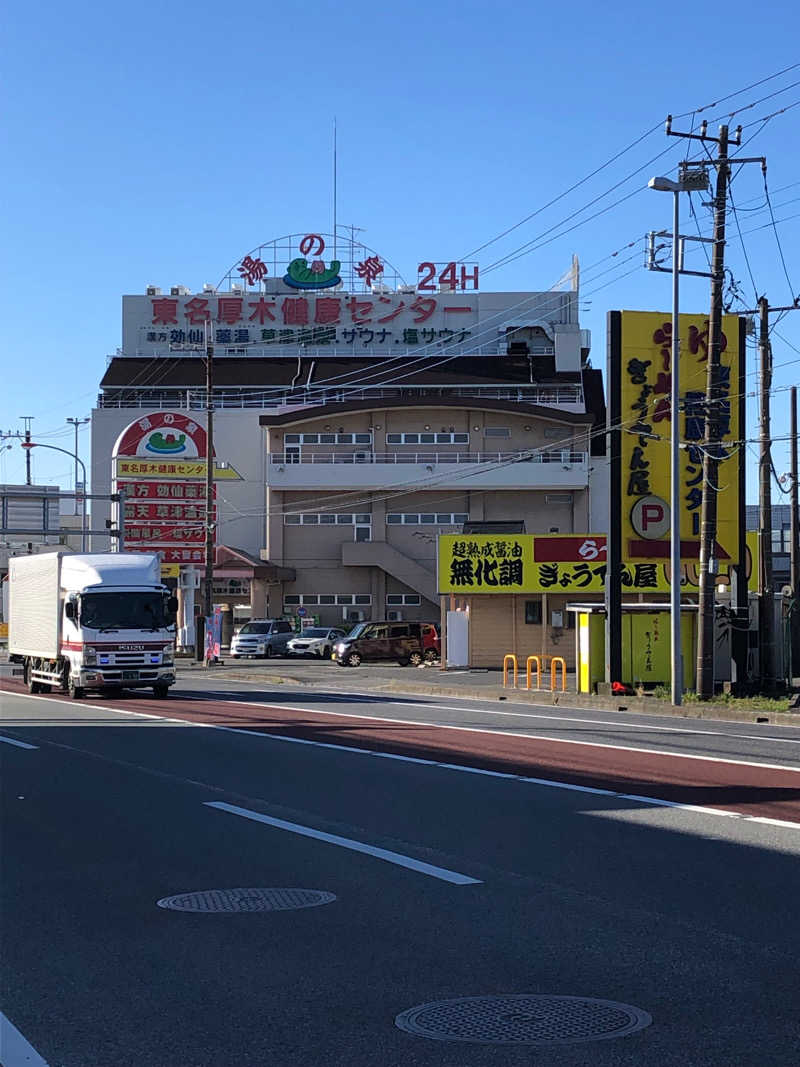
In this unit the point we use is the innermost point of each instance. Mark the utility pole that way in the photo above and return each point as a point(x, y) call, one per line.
point(766, 621)
point(711, 437)
point(27, 419)
point(77, 423)
point(794, 550)
point(708, 507)
point(766, 615)
point(209, 584)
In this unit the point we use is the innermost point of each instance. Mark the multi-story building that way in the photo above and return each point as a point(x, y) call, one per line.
point(359, 440)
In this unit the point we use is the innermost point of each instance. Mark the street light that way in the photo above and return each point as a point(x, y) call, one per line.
point(688, 182)
point(55, 448)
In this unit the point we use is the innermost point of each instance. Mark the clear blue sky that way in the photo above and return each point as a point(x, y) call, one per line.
point(159, 143)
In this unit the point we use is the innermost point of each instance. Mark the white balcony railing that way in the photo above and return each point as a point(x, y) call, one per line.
point(561, 456)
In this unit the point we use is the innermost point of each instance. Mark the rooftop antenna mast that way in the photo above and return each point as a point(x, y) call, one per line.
point(334, 187)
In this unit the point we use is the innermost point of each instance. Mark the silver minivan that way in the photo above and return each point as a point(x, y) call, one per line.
point(262, 638)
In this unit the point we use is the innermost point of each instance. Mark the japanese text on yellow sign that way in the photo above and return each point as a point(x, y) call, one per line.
point(138, 468)
point(646, 382)
point(487, 563)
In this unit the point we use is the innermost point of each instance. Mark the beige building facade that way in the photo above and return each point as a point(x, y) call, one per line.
point(356, 495)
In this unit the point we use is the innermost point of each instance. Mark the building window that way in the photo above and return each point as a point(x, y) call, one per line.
point(426, 518)
point(399, 599)
point(313, 518)
point(427, 438)
point(325, 599)
point(497, 431)
point(533, 612)
point(328, 439)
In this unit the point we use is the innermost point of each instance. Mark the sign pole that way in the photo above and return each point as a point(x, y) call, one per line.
point(209, 583)
point(675, 467)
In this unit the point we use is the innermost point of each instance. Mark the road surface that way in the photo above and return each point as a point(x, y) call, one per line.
point(467, 849)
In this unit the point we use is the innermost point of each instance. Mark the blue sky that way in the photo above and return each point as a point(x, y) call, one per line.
point(158, 143)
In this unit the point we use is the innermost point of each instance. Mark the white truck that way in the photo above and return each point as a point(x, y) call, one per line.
point(91, 622)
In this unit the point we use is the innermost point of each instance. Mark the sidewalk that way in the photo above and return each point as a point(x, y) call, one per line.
point(465, 684)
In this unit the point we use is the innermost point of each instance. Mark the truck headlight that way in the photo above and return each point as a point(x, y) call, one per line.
point(89, 656)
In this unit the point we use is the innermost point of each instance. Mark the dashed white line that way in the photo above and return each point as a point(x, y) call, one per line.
point(15, 1050)
point(397, 858)
point(549, 783)
point(18, 744)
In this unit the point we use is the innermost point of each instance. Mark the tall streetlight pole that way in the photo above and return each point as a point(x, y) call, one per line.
point(77, 423)
point(54, 448)
point(687, 182)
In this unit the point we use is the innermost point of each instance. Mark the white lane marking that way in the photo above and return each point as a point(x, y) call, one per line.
point(466, 706)
point(13, 741)
point(346, 842)
point(515, 734)
point(607, 722)
point(550, 783)
point(14, 1049)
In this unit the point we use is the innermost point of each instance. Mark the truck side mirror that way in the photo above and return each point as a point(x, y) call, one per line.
point(172, 605)
point(69, 609)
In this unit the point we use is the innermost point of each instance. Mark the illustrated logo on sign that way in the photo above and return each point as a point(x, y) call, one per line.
point(300, 276)
point(650, 517)
point(166, 444)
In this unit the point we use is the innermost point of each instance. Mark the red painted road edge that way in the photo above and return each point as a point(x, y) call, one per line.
point(735, 787)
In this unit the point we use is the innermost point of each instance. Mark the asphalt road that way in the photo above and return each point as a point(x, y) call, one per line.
point(457, 870)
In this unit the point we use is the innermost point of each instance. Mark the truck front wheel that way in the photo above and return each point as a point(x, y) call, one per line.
point(33, 687)
point(75, 691)
point(160, 692)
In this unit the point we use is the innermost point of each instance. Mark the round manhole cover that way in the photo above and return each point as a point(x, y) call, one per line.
point(231, 900)
point(522, 1020)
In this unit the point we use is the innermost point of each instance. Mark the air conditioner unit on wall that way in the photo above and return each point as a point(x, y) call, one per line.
point(352, 615)
point(394, 616)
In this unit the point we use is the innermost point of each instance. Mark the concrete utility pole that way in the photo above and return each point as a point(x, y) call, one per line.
point(209, 589)
point(766, 615)
point(27, 419)
point(711, 438)
point(766, 621)
point(708, 507)
point(794, 551)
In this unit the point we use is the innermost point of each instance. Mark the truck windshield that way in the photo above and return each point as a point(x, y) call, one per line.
point(124, 611)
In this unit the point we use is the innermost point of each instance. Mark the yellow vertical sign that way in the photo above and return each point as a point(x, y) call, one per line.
point(645, 372)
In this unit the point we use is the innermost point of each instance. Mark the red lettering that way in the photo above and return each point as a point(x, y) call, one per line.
point(652, 515)
point(469, 277)
point(426, 284)
point(448, 277)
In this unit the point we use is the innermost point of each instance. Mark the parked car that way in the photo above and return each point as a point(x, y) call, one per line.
point(371, 641)
point(315, 641)
point(431, 641)
point(262, 638)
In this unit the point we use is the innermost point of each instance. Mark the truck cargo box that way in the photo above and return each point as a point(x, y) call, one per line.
point(34, 609)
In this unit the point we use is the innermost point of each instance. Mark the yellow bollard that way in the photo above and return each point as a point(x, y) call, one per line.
point(538, 661)
point(509, 656)
point(556, 661)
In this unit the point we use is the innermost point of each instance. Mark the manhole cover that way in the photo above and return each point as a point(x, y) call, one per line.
point(230, 900)
point(522, 1020)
